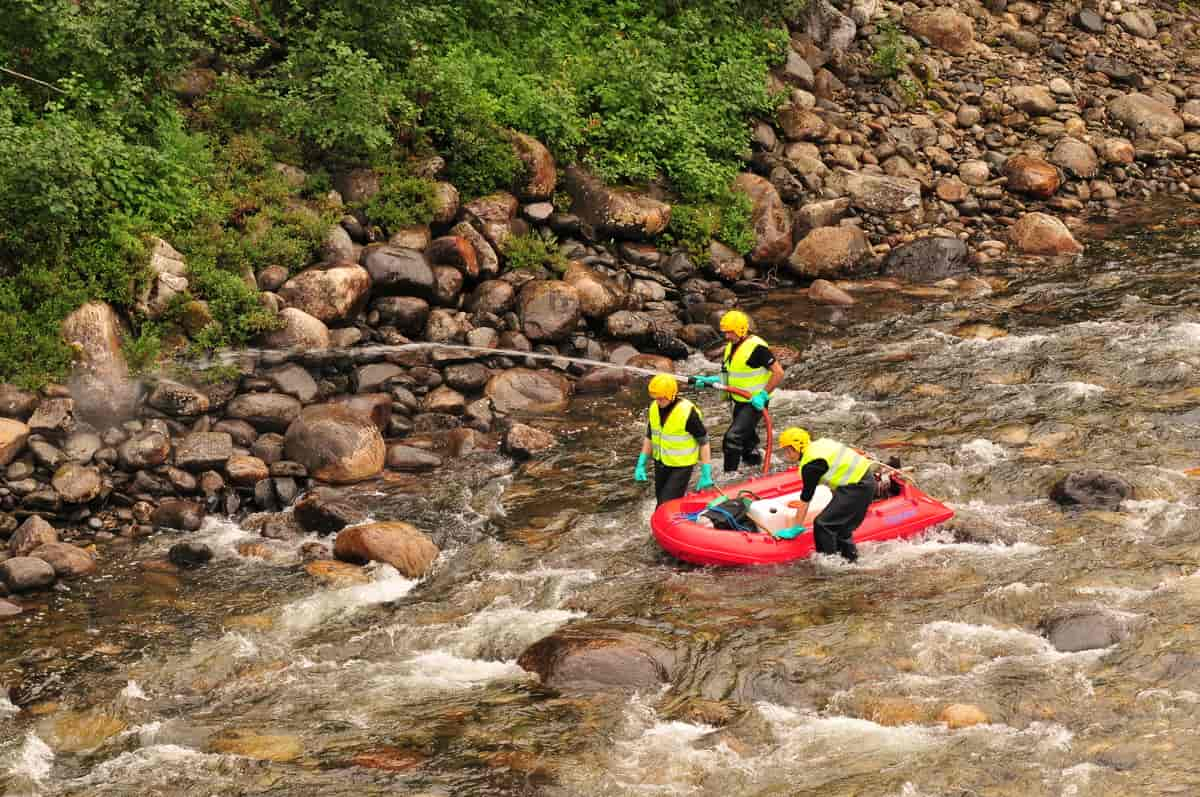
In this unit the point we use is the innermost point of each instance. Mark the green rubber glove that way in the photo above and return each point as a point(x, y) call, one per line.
point(790, 533)
point(759, 400)
point(639, 473)
point(706, 381)
point(706, 480)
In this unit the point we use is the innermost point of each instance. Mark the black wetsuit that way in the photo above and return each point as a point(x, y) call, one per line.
point(833, 530)
point(669, 481)
point(741, 438)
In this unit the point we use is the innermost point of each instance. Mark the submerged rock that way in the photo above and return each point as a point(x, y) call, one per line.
point(1092, 488)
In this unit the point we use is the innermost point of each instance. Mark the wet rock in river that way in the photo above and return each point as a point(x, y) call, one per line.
point(26, 573)
point(1092, 488)
point(927, 259)
point(408, 458)
point(178, 514)
point(1084, 631)
point(324, 511)
point(523, 390)
point(580, 660)
point(522, 441)
point(190, 554)
point(29, 535)
point(398, 544)
point(68, 561)
point(203, 450)
point(963, 715)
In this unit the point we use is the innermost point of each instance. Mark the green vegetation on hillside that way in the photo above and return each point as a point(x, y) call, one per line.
point(100, 147)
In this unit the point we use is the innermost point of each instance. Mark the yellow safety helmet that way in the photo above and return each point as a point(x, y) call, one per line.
point(795, 437)
point(737, 322)
point(664, 387)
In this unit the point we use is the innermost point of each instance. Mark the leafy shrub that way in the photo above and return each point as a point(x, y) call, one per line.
point(532, 251)
point(402, 201)
point(892, 53)
point(694, 226)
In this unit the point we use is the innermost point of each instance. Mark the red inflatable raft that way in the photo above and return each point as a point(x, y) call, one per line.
point(905, 513)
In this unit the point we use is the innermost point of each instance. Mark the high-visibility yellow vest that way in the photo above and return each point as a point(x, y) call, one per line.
point(670, 441)
point(846, 466)
point(737, 372)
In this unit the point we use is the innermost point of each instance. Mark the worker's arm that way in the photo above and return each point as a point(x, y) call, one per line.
point(706, 454)
point(776, 377)
point(647, 449)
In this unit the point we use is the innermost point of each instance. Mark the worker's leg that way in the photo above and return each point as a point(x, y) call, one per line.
point(741, 439)
point(833, 531)
point(671, 483)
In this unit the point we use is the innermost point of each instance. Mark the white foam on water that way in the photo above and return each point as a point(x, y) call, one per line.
point(503, 631)
point(146, 734)
point(559, 581)
point(937, 541)
point(163, 760)
point(1077, 391)
point(982, 451)
point(1153, 517)
point(310, 612)
point(222, 536)
point(7, 709)
point(819, 408)
point(440, 670)
point(33, 760)
point(1116, 595)
point(945, 646)
point(132, 692)
point(1186, 333)
point(1079, 777)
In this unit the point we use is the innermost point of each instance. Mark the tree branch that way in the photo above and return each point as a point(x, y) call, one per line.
point(15, 73)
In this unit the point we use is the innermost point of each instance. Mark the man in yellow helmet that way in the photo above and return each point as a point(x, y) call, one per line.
point(747, 364)
point(845, 471)
point(676, 439)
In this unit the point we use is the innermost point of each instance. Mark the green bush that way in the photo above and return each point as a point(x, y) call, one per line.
point(402, 201)
point(892, 53)
point(97, 153)
point(728, 220)
point(533, 252)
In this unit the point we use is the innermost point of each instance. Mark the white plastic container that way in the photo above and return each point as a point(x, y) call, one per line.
point(774, 514)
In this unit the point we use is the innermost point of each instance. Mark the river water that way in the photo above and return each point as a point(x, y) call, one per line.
point(252, 677)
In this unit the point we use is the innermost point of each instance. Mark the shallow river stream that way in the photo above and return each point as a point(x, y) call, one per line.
point(252, 677)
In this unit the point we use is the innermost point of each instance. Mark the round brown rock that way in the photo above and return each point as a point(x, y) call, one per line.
point(67, 560)
point(829, 250)
point(398, 544)
point(299, 330)
point(329, 294)
point(1033, 176)
point(246, 471)
point(549, 310)
point(523, 390)
point(77, 484)
point(1041, 234)
point(335, 444)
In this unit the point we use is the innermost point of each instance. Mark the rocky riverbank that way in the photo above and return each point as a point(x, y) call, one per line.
point(919, 141)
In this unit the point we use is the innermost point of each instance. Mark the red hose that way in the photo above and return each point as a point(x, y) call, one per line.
point(737, 391)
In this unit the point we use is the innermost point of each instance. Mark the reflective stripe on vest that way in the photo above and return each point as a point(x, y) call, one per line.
point(737, 372)
point(846, 466)
point(670, 442)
